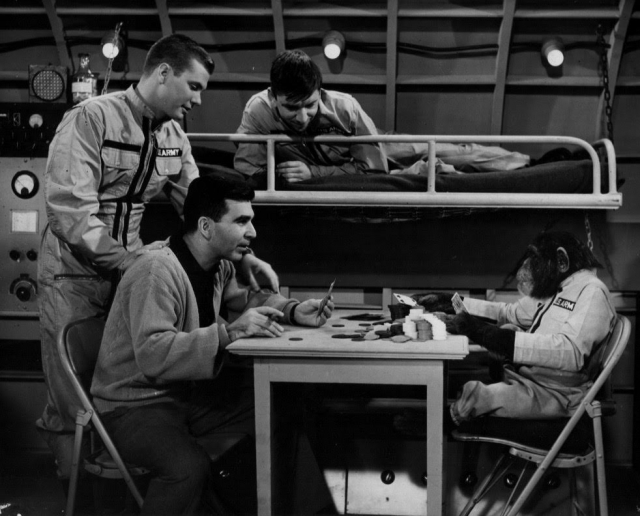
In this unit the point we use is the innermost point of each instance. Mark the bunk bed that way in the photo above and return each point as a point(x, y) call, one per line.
point(589, 183)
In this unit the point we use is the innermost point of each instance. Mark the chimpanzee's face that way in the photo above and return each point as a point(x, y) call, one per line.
point(524, 279)
point(539, 277)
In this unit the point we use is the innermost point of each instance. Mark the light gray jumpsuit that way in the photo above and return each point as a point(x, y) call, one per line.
point(551, 371)
point(105, 162)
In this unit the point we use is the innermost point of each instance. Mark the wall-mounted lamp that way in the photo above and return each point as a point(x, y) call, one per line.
point(553, 51)
point(333, 44)
point(112, 43)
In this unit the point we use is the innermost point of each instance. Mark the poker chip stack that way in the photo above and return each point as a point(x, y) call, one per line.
point(438, 327)
point(409, 328)
point(425, 332)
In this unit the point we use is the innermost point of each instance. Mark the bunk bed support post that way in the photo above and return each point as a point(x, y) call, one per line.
point(431, 178)
point(271, 165)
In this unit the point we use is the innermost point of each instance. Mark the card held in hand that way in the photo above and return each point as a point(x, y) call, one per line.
point(325, 300)
point(458, 304)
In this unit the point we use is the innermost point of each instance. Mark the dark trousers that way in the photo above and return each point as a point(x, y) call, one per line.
point(162, 437)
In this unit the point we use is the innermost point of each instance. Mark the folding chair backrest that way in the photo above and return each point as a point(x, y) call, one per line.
point(611, 354)
point(79, 343)
point(78, 348)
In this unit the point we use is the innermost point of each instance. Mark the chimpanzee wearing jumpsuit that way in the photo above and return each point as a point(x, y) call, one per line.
point(107, 160)
point(551, 369)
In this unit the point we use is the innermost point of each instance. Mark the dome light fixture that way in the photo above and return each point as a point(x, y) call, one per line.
point(112, 43)
point(553, 51)
point(333, 44)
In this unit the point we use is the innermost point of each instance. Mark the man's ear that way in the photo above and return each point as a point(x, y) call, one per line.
point(162, 72)
point(204, 226)
point(563, 260)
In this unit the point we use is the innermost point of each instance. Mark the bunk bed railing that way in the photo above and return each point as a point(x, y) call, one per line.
point(432, 198)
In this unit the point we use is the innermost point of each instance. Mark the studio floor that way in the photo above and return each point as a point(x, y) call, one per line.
point(28, 487)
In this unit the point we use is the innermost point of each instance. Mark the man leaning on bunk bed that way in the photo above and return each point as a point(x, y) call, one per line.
point(296, 104)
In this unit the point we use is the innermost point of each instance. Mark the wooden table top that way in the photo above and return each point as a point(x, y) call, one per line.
point(300, 341)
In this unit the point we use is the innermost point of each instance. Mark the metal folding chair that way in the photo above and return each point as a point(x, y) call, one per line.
point(562, 452)
point(78, 346)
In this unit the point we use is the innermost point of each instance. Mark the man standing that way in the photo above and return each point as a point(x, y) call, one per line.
point(161, 381)
point(110, 156)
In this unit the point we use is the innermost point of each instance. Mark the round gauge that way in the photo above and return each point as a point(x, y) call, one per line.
point(25, 184)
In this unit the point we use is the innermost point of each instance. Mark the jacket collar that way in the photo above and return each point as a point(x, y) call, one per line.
point(138, 104)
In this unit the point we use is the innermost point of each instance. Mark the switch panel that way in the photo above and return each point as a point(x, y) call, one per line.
point(26, 129)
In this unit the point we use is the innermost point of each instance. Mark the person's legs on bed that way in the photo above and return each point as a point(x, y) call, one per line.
point(466, 157)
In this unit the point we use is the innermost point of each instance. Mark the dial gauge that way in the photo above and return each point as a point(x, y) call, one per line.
point(25, 184)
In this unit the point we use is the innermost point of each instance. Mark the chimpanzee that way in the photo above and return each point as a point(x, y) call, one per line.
point(565, 315)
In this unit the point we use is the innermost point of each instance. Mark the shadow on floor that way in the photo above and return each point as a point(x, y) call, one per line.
point(28, 486)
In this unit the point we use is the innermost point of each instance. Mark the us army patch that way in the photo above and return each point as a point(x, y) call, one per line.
point(169, 152)
point(565, 303)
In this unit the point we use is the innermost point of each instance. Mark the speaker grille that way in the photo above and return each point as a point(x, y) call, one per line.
point(47, 83)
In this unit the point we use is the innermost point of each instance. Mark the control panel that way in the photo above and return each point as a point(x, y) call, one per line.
point(26, 129)
point(21, 225)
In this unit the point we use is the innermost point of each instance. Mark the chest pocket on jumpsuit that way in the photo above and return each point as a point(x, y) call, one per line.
point(167, 169)
point(557, 316)
point(120, 167)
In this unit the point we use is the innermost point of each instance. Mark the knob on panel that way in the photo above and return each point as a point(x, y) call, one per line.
point(24, 288)
point(36, 120)
point(23, 293)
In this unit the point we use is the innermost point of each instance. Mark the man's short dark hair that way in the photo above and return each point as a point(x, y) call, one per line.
point(207, 197)
point(178, 51)
point(295, 75)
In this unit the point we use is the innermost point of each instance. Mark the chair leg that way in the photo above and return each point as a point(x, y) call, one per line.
point(81, 422)
point(507, 509)
point(487, 483)
point(601, 477)
point(573, 490)
point(119, 462)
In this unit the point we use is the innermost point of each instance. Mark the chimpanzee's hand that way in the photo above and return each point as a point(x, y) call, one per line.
point(464, 324)
point(435, 302)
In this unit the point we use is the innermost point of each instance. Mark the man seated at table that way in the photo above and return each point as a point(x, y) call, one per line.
point(164, 345)
point(296, 104)
point(550, 352)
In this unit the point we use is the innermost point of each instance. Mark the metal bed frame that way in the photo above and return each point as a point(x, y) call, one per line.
point(432, 198)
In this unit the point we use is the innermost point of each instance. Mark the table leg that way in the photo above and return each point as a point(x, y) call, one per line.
point(435, 441)
point(263, 413)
